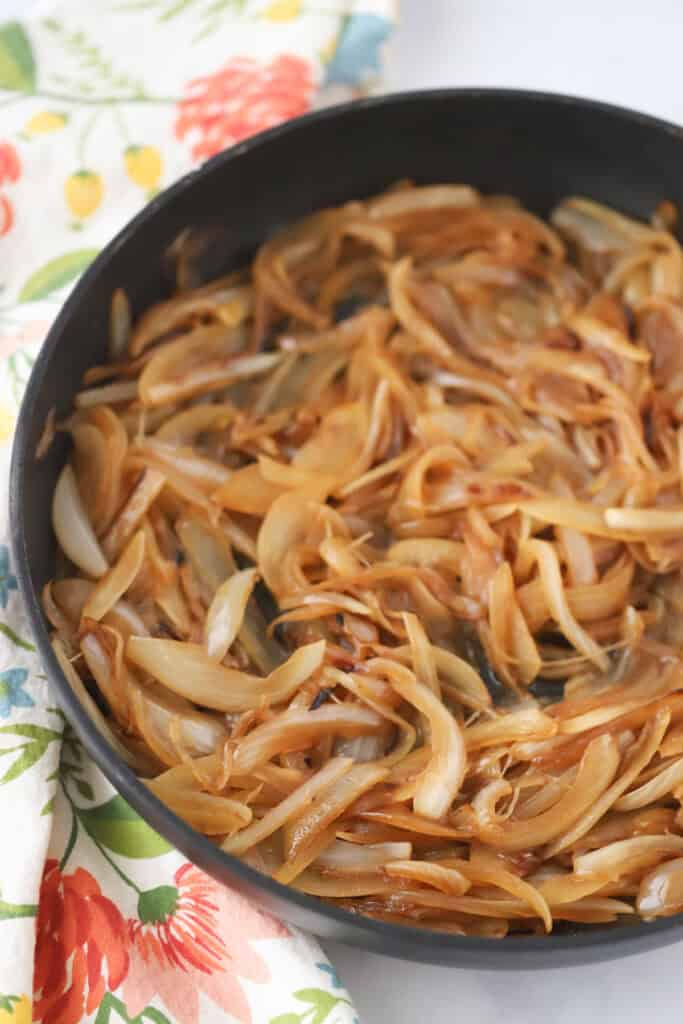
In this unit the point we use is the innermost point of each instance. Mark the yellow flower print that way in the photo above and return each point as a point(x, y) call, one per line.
point(83, 192)
point(7, 420)
point(144, 166)
point(45, 122)
point(283, 10)
point(15, 1010)
point(328, 51)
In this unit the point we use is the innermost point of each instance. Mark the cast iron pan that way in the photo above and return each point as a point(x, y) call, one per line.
point(535, 146)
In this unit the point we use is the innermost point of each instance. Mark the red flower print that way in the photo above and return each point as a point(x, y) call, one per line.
point(243, 98)
point(79, 932)
point(10, 165)
point(193, 937)
point(6, 215)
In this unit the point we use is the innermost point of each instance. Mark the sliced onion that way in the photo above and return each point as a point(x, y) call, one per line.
point(621, 858)
point(440, 781)
point(527, 724)
point(296, 730)
point(427, 197)
point(116, 582)
point(288, 808)
point(641, 755)
point(88, 703)
point(344, 858)
point(661, 890)
point(446, 879)
point(331, 804)
point(596, 771)
point(226, 613)
point(188, 670)
point(654, 789)
point(488, 870)
point(72, 527)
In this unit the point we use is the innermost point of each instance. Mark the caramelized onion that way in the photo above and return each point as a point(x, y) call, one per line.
point(372, 554)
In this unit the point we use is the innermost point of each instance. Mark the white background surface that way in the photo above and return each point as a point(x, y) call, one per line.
point(629, 53)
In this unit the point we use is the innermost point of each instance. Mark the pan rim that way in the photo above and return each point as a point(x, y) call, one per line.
point(398, 941)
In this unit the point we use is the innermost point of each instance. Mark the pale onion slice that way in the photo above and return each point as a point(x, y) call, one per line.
point(440, 781)
point(548, 565)
point(646, 521)
point(596, 771)
point(457, 677)
point(89, 704)
point(116, 582)
point(185, 426)
point(297, 730)
point(627, 855)
point(156, 712)
point(654, 789)
point(288, 808)
point(486, 869)
point(248, 491)
point(315, 884)
point(226, 613)
point(424, 664)
point(188, 670)
point(330, 805)
point(108, 394)
point(210, 813)
point(426, 197)
point(661, 890)
point(526, 724)
point(639, 757)
point(446, 879)
point(344, 858)
point(73, 529)
point(147, 488)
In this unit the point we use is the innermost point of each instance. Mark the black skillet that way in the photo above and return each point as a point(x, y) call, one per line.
point(535, 146)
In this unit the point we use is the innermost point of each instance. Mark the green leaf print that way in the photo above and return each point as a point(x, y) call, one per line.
point(117, 827)
point(19, 366)
point(323, 1002)
point(9, 911)
point(14, 637)
point(320, 1006)
point(56, 274)
point(38, 740)
point(17, 67)
point(85, 789)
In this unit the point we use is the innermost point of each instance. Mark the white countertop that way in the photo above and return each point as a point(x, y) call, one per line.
point(628, 53)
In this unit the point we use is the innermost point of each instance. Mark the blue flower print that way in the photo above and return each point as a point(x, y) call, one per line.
point(8, 582)
point(357, 54)
point(12, 694)
point(334, 977)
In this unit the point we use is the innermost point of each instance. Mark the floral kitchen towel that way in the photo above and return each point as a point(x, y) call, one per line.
point(102, 104)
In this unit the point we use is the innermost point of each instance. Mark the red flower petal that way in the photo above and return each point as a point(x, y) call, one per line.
point(69, 1008)
point(10, 165)
point(82, 882)
point(76, 925)
point(243, 98)
point(112, 938)
point(6, 216)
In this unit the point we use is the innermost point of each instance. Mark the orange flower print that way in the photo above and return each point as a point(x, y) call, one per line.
point(10, 172)
point(243, 98)
point(79, 933)
point(6, 215)
point(193, 937)
point(10, 165)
